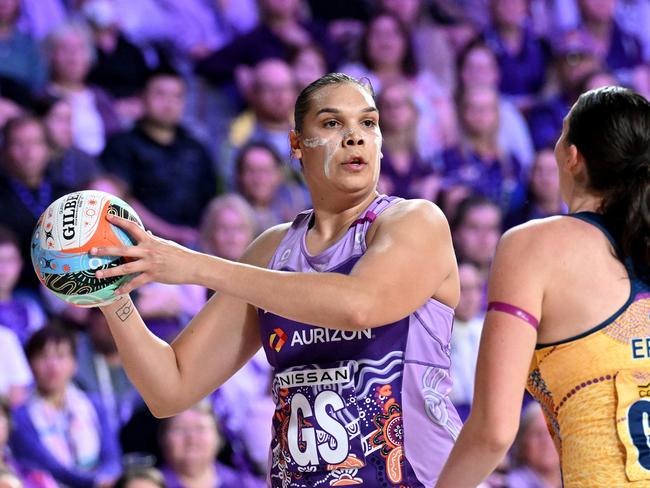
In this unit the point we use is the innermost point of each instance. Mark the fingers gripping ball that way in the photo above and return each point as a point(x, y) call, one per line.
point(62, 240)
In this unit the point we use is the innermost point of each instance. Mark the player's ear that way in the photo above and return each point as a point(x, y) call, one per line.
point(294, 139)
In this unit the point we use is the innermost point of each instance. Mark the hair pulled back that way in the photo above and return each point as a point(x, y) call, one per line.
point(304, 99)
point(610, 126)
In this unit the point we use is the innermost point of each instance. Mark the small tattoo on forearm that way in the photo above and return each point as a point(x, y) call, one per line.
point(125, 311)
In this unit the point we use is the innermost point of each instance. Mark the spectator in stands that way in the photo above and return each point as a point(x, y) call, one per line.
point(403, 172)
point(543, 197)
point(70, 54)
point(120, 67)
point(280, 32)
point(100, 372)
point(70, 167)
point(14, 98)
point(535, 459)
point(522, 57)
point(39, 17)
point(243, 404)
point(262, 182)
point(19, 312)
point(15, 376)
point(616, 49)
point(387, 56)
point(477, 66)
point(271, 94)
point(8, 479)
point(25, 188)
point(12, 473)
point(141, 477)
point(476, 228)
point(227, 227)
point(190, 442)
point(59, 429)
point(308, 64)
point(168, 173)
point(431, 47)
point(20, 58)
point(573, 58)
point(466, 336)
point(478, 161)
point(597, 79)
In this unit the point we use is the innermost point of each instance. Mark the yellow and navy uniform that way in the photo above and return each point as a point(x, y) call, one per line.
point(595, 392)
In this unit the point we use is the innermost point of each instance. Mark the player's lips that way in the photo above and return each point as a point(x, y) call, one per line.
point(355, 163)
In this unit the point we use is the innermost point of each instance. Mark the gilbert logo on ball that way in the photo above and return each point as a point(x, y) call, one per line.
point(62, 240)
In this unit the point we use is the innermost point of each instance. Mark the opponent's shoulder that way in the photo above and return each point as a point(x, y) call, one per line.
point(546, 240)
point(549, 232)
point(261, 250)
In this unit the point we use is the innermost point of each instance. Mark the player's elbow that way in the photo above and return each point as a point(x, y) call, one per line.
point(497, 440)
point(496, 436)
point(356, 318)
point(359, 311)
point(163, 407)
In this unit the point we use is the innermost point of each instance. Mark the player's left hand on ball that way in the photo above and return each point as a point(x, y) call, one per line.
point(152, 259)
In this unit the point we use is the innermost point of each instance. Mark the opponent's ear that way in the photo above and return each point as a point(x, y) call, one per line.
point(294, 140)
point(574, 163)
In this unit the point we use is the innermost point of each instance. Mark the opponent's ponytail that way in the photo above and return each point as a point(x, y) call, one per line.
point(610, 127)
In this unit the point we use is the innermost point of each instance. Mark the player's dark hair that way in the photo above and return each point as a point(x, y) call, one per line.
point(304, 99)
point(610, 126)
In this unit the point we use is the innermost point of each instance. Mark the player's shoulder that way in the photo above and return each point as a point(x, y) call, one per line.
point(414, 210)
point(260, 252)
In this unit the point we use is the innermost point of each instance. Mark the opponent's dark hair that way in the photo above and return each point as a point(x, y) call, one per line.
point(610, 126)
point(304, 99)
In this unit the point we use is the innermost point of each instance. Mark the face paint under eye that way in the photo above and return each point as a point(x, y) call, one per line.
point(314, 142)
point(330, 147)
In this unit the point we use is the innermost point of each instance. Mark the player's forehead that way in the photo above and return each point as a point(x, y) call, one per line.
point(348, 98)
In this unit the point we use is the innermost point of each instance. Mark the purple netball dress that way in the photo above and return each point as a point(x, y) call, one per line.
point(367, 407)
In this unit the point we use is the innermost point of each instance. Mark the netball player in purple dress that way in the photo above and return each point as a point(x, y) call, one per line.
point(352, 302)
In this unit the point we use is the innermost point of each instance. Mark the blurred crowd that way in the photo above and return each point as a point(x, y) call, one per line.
point(183, 108)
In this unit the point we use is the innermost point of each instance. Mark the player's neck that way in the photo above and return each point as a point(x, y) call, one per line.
point(330, 222)
point(584, 202)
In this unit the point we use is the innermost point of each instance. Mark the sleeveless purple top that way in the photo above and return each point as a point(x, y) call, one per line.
point(357, 407)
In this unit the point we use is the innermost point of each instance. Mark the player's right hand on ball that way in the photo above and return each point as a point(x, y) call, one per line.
point(152, 259)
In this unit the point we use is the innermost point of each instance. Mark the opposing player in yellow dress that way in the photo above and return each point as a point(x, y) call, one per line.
point(569, 311)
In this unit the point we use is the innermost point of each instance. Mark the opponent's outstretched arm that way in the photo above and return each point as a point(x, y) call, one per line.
point(408, 258)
